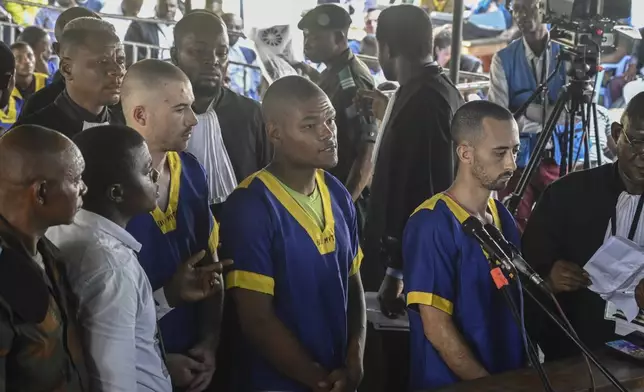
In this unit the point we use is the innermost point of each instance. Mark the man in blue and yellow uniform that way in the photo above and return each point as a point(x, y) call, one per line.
point(460, 325)
point(180, 235)
point(27, 83)
point(326, 41)
point(292, 227)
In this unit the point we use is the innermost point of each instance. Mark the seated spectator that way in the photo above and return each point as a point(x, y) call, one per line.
point(40, 43)
point(157, 34)
point(27, 82)
point(443, 51)
point(23, 15)
point(243, 80)
point(46, 17)
point(485, 6)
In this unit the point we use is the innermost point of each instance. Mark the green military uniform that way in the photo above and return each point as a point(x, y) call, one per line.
point(39, 346)
point(341, 80)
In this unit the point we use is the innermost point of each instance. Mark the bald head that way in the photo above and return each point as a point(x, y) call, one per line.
point(467, 124)
point(285, 94)
point(30, 153)
point(70, 14)
point(146, 78)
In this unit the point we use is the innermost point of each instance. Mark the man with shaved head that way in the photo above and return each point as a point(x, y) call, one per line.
point(460, 325)
point(48, 94)
point(157, 102)
point(292, 230)
point(93, 65)
point(229, 141)
point(40, 187)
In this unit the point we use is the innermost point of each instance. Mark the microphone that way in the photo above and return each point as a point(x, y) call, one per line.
point(516, 259)
point(474, 227)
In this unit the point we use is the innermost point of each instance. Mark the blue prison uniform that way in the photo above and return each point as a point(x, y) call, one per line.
point(170, 237)
point(446, 268)
point(16, 101)
point(280, 251)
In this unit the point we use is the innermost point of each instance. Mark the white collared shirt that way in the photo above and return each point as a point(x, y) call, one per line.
point(117, 312)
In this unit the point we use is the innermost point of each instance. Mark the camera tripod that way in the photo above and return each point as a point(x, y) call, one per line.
point(578, 96)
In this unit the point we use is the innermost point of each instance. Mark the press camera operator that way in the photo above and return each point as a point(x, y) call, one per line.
point(515, 73)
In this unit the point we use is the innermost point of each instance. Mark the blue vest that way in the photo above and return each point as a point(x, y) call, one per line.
point(522, 83)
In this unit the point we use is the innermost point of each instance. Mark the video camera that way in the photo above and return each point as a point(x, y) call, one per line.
point(587, 28)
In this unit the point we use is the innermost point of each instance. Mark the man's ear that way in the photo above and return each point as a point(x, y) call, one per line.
point(139, 115)
point(40, 192)
point(464, 152)
point(616, 131)
point(273, 132)
point(173, 56)
point(115, 193)
point(66, 68)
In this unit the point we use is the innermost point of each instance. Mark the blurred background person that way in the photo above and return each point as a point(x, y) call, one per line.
point(40, 43)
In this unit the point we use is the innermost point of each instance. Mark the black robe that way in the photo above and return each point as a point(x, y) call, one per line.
point(414, 163)
point(569, 223)
point(67, 117)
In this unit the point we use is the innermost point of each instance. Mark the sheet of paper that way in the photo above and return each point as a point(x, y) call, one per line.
point(380, 321)
point(615, 264)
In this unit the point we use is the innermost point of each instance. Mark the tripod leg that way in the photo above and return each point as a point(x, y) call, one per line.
point(598, 146)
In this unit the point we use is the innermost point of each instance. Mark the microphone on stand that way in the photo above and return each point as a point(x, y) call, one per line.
point(516, 259)
point(474, 227)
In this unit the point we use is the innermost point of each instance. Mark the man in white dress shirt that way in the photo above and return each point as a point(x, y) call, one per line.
point(117, 312)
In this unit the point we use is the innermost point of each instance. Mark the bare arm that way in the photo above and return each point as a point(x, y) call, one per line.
point(273, 340)
point(357, 317)
point(441, 332)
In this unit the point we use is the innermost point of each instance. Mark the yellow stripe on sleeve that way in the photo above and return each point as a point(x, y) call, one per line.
point(250, 281)
point(429, 299)
point(357, 262)
point(213, 240)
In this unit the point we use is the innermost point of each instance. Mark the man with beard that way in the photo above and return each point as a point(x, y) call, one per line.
point(180, 233)
point(229, 140)
point(293, 228)
point(93, 65)
point(47, 95)
point(562, 236)
point(326, 30)
point(461, 328)
point(40, 187)
point(7, 76)
point(515, 73)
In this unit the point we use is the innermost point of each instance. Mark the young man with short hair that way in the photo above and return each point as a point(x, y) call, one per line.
point(157, 102)
point(293, 229)
point(93, 65)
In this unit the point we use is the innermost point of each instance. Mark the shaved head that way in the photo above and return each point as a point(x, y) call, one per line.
point(40, 176)
point(467, 124)
point(198, 22)
point(145, 78)
point(30, 153)
point(285, 94)
point(157, 101)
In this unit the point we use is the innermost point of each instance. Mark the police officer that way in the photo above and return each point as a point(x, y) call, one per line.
point(326, 41)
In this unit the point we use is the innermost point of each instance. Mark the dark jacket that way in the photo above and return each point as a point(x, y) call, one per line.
point(65, 116)
point(569, 223)
point(39, 342)
point(141, 33)
point(43, 97)
point(413, 164)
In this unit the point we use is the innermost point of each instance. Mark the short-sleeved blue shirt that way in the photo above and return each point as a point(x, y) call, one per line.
point(446, 268)
point(280, 251)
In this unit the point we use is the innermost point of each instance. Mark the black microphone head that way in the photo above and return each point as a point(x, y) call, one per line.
point(472, 226)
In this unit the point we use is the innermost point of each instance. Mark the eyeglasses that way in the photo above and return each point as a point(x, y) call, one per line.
point(637, 146)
